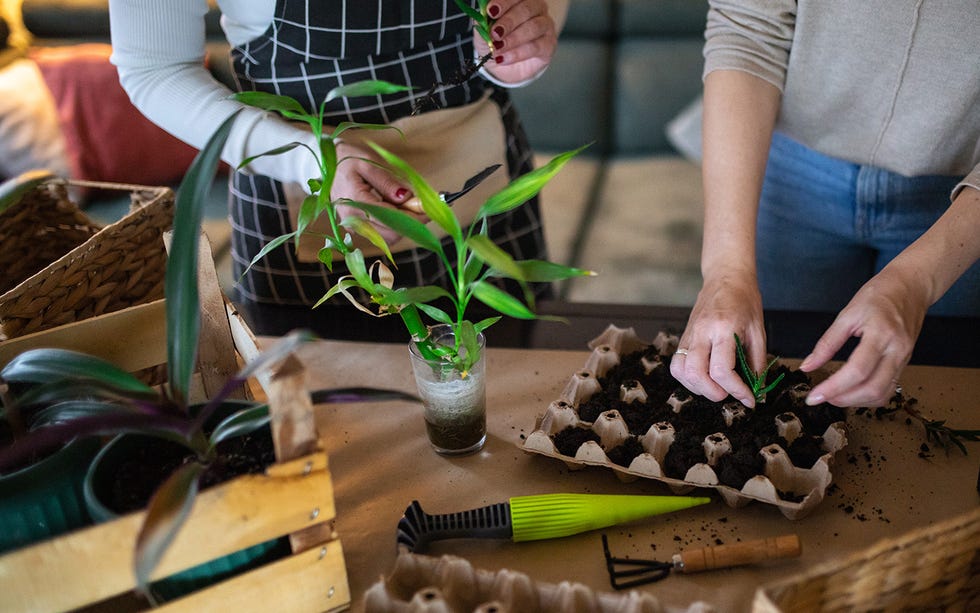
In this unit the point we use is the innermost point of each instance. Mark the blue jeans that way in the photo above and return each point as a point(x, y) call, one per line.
point(826, 226)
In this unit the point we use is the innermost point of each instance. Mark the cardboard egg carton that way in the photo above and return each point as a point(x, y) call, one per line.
point(450, 584)
point(795, 490)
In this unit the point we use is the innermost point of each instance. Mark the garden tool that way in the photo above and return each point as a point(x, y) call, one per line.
point(530, 518)
point(627, 572)
point(415, 205)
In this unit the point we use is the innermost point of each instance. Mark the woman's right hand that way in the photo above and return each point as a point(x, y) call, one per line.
point(361, 180)
point(726, 305)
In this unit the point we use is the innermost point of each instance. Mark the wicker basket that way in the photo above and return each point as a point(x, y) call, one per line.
point(57, 266)
point(936, 568)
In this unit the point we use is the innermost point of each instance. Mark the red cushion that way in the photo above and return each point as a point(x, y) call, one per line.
point(107, 138)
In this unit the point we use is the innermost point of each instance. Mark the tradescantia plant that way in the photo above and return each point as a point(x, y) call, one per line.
point(70, 394)
point(471, 266)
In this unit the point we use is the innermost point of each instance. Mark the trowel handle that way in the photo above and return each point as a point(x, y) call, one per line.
point(418, 528)
point(738, 554)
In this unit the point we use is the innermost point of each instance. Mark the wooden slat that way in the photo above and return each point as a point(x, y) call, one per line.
point(308, 582)
point(134, 338)
point(216, 359)
point(94, 564)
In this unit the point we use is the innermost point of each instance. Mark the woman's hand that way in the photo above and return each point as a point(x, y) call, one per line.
point(361, 180)
point(886, 314)
point(524, 39)
point(724, 307)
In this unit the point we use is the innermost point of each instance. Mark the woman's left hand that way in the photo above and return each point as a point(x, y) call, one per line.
point(524, 39)
point(886, 315)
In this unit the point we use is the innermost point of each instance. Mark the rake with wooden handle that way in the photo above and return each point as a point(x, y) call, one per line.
point(627, 572)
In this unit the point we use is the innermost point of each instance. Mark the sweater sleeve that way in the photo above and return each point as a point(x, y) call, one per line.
point(971, 180)
point(159, 50)
point(753, 36)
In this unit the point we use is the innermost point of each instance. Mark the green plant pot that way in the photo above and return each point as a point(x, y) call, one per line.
point(45, 499)
point(98, 481)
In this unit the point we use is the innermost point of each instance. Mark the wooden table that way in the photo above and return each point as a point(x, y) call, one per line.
point(381, 461)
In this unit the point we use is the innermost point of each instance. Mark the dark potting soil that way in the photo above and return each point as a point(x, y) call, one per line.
point(140, 474)
point(699, 418)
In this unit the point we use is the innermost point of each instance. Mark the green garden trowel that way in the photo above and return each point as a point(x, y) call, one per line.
point(531, 518)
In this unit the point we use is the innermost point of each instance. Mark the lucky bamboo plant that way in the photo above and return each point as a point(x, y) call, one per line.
point(71, 394)
point(475, 260)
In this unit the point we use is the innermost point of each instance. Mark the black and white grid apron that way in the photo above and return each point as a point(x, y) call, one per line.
point(311, 47)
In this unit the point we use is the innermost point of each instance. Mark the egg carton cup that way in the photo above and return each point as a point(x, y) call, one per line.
point(449, 584)
point(779, 475)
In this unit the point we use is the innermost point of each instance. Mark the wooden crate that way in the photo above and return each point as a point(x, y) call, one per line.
point(294, 497)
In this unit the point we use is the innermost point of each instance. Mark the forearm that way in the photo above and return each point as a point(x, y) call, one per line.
point(939, 257)
point(159, 51)
point(739, 115)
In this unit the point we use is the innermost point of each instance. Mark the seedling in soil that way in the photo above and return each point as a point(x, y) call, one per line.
point(755, 381)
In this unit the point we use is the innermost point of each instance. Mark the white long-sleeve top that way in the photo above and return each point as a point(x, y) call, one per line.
point(159, 49)
point(889, 83)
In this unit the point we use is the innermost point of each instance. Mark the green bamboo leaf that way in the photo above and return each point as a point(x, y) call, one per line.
point(525, 187)
point(13, 190)
point(467, 337)
point(495, 257)
point(46, 365)
point(435, 313)
point(270, 102)
point(403, 224)
point(470, 11)
point(328, 168)
point(500, 300)
point(472, 269)
point(166, 513)
point(273, 244)
point(414, 295)
point(357, 268)
point(270, 152)
point(541, 271)
point(343, 285)
point(366, 88)
point(350, 125)
point(362, 227)
point(484, 33)
point(180, 284)
point(483, 324)
point(437, 210)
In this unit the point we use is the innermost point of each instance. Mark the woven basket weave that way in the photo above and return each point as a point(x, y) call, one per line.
point(936, 568)
point(58, 267)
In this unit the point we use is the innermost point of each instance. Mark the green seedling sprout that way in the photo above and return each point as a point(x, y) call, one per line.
point(755, 381)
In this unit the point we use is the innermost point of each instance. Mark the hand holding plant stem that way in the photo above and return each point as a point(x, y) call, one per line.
point(475, 259)
point(755, 381)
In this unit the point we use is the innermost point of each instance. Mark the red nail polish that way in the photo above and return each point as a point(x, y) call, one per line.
point(498, 44)
point(499, 59)
point(499, 31)
point(493, 10)
point(401, 192)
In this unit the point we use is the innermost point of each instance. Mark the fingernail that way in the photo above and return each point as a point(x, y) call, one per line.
point(493, 10)
point(401, 192)
point(499, 31)
point(814, 399)
point(499, 59)
point(806, 362)
point(498, 44)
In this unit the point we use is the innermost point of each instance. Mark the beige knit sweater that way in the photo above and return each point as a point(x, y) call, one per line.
point(889, 83)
